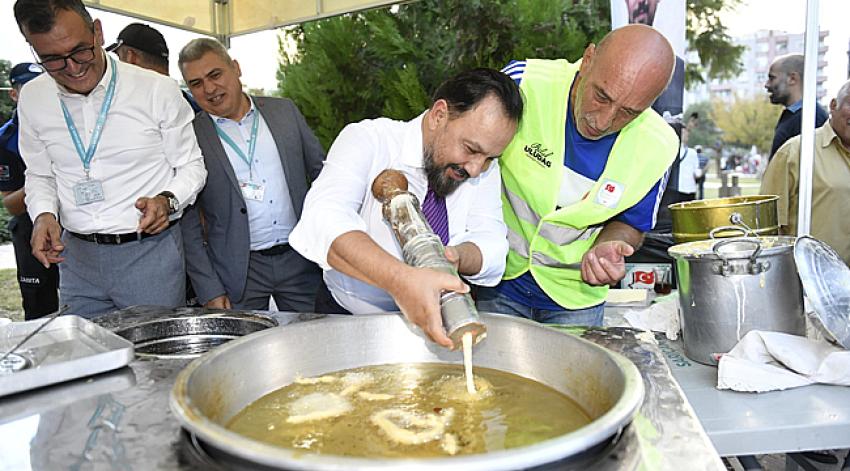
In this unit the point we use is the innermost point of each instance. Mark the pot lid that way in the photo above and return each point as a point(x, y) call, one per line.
point(732, 248)
point(826, 281)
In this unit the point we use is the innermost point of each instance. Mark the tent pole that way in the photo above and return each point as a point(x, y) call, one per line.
point(807, 132)
point(223, 27)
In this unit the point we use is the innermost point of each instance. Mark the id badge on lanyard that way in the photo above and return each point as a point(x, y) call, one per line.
point(90, 190)
point(250, 190)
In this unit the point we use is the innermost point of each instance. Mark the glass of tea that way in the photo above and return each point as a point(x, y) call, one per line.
point(663, 283)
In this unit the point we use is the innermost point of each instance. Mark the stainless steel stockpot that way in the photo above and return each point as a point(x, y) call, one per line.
point(728, 287)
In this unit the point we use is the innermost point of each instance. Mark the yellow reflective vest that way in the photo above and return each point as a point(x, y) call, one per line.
point(544, 239)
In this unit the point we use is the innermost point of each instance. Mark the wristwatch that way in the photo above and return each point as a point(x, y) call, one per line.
point(173, 204)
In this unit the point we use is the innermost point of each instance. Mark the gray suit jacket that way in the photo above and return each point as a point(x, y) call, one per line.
point(220, 265)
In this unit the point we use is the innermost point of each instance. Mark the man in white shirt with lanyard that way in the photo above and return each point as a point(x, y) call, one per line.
point(449, 156)
point(110, 153)
point(261, 156)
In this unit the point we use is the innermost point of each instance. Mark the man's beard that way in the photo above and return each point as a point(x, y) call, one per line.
point(778, 96)
point(438, 181)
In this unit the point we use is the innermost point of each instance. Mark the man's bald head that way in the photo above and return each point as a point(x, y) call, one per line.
point(839, 115)
point(795, 63)
point(843, 92)
point(784, 83)
point(620, 78)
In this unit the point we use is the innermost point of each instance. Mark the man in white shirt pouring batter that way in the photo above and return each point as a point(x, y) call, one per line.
point(111, 153)
point(449, 156)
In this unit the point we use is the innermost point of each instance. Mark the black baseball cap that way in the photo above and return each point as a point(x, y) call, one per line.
point(143, 38)
point(24, 72)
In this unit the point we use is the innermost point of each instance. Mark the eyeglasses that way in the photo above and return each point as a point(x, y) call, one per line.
point(57, 63)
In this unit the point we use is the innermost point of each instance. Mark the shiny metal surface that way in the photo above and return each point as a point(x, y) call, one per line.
point(694, 220)
point(189, 337)
point(69, 347)
point(213, 388)
point(44, 323)
point(826, 281)
point(121, 419)
point(668, 426)
point(729, 287)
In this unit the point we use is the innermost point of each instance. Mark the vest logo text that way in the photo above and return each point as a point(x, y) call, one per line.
point(539, 153)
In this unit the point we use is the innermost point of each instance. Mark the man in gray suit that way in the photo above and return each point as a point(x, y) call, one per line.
point(261, 157)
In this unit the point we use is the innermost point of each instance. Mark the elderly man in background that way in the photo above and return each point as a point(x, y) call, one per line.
point(830, 179)
point(110, 153)
point(449, 156)
point(261, 157)
point(38, 284)
point(582, 179)
point(785, 87)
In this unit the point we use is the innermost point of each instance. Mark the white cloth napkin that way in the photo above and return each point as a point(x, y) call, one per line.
point(770, 361)
point(660, 316)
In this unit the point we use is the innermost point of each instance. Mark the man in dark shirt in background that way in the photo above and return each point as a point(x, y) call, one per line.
point(38, 285)
point(785, 87)
point(144, 46)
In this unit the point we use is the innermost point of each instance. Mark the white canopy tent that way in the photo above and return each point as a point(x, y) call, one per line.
point(224, 19)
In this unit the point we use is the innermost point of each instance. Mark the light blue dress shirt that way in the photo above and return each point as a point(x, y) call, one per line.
point(271, 220)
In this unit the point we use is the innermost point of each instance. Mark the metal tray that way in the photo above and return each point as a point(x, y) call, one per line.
point(70, 347)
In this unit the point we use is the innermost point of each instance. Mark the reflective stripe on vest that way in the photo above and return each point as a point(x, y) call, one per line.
point(557, 234)
point(519, 245)
point(520, 207)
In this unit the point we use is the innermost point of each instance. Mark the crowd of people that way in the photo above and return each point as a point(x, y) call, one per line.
point(132, 184)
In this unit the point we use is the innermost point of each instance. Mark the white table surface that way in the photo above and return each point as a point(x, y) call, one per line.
point(808, 418)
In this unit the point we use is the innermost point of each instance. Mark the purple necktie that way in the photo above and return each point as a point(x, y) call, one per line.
point(434, 209)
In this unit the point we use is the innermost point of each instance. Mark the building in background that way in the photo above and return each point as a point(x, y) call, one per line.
point(761, 49)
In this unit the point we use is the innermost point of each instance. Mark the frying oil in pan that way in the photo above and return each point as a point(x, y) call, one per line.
point(412, 410)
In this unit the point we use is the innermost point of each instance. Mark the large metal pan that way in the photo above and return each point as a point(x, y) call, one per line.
point(213, 388)
point(724, 217)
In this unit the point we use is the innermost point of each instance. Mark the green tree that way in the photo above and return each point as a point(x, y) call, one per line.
point(747, 122)
point(706, 132)
point(6, 103)
point(720, 58)
point(386, 62)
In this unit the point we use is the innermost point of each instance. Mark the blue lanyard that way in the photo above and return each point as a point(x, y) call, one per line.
point(86, 155)
point(252, 142)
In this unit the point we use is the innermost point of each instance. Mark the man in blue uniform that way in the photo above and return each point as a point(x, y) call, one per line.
point(38, 284)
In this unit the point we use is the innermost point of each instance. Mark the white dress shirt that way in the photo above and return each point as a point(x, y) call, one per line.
point(147, 146)
point(341, 201)
point(270, 220)
point(688, 166)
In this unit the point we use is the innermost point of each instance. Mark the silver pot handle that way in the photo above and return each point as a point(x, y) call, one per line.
point(754, 267)
point(712, 234)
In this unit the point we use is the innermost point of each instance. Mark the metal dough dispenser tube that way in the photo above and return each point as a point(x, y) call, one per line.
point(422, 248)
